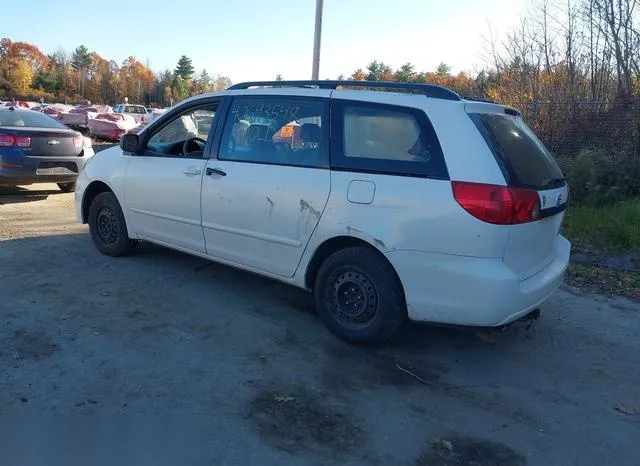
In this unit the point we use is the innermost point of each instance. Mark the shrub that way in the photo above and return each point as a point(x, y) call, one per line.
point(597, 176)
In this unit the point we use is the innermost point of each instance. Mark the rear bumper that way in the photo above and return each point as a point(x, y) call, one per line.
point(16, 168)
point(474, 291)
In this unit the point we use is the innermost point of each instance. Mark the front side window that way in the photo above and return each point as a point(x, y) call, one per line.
point(387, 139)
point(185, 134)
point(275, 131)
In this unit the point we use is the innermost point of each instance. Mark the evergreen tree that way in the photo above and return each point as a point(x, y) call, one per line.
point(184, 68)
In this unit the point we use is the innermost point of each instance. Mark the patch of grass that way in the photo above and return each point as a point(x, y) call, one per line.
point(602, 280)
point(610, 228)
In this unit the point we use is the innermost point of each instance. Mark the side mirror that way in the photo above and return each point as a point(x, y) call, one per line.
point(130, 143)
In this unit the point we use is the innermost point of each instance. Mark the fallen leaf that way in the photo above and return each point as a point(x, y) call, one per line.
point(626, 409)
point(283, 398)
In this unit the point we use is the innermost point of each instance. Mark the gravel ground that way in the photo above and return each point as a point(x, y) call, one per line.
point(215, 366)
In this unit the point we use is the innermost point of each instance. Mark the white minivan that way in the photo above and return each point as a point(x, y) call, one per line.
point(386, 205)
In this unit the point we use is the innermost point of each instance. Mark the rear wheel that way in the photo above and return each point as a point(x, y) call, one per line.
point(108, 227)
point(359, 297)
point(67, 187)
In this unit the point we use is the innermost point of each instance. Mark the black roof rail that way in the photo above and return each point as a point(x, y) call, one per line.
point(430, 90)
point(477, 99)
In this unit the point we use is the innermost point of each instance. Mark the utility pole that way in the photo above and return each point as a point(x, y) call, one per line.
point(315, 71)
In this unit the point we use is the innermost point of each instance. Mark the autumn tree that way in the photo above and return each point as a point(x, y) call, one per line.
point(220, 83)
point(20, 76)
point(358, 75)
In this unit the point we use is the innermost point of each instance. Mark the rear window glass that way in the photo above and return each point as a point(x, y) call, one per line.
point(29, 119)
point(390, 139)
point(524, 160)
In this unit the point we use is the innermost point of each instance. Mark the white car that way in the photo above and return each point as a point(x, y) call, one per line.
point(385, 205)
point(138, 112)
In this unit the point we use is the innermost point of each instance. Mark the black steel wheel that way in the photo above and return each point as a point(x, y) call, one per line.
point(108, 227)
point(359, 296)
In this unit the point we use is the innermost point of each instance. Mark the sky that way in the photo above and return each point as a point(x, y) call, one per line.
point(258, 39)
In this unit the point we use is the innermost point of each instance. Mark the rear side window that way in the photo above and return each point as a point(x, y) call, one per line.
point(29, 119)
point(386, 139)
point(523, 159)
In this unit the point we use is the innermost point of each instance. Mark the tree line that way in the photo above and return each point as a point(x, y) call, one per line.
point(563, 51)
point(28, 73)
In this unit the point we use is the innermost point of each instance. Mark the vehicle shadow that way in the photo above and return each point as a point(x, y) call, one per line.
point(19, 195)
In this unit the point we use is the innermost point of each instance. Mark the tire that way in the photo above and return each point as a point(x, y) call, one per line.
point(67, 187)
point(359, 297)
point(108, 227)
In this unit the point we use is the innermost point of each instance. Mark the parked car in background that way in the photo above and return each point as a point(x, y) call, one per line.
point(79, 117)
point(36, 148)
point(420, 204)
point(138, 112)
point(111, 126)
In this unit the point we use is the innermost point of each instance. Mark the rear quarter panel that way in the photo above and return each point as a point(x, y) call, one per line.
point(466, 153)
point(406, 213)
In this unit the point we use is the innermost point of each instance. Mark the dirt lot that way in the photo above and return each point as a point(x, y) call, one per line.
point(245, 368)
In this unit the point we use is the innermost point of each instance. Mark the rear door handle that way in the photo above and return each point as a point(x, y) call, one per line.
point(215, 171)
point(192, 171)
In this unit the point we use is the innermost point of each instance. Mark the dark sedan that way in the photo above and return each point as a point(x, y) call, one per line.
point(35, 148)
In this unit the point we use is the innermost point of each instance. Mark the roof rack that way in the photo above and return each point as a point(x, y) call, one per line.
point(429, 90)
point(477, 99)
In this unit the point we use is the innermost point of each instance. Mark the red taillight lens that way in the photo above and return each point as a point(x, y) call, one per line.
point(22, 141)
point(77, 143)
point(499, 205)
point(7, 140)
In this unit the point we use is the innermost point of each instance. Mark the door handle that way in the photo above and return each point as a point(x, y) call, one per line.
point(215, 171)
point(192, 171)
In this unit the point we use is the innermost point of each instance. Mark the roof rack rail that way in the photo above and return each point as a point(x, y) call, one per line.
point(429, 90)
point(478, 99)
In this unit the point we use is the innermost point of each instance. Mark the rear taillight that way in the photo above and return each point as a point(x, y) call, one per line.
point(87, 142)
point(7, 140)
point(78, 142)
point(495, 204)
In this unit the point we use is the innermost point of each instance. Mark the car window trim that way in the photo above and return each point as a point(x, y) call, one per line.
point(325, 155)
point(162, 121)
point(340, 162)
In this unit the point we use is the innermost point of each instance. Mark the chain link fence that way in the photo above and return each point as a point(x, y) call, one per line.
point(596, 143)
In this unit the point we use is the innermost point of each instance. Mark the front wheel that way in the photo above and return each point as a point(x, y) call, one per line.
point(359, 297)
point(67, 187)
point(108, 227)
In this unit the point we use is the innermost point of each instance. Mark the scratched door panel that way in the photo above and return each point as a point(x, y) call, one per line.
point(262, 216)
